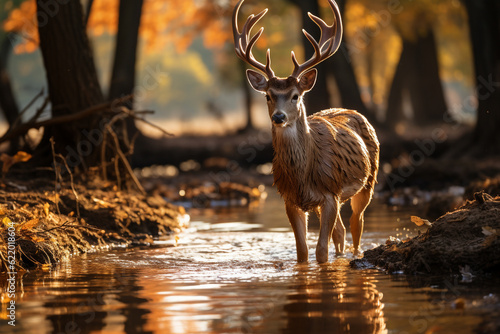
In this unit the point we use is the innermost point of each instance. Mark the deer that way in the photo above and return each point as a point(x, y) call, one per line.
point(322, 160)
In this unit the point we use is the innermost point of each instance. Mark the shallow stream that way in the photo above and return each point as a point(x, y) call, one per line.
point(235, 271)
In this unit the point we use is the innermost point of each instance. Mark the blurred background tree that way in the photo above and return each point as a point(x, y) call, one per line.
point(484, 25)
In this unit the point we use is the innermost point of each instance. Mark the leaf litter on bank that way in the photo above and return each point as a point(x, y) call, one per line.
point(51, 226)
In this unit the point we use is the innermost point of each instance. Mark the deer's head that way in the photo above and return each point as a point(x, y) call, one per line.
point(284, 95)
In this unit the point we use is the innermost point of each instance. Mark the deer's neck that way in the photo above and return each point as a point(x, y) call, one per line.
point(292, 147)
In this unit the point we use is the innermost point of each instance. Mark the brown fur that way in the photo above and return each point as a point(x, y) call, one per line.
point(338, 150)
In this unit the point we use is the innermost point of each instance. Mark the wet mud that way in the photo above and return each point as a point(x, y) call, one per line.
point(465, 241)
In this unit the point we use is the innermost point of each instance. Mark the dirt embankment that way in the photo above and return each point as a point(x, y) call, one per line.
point(465, 241)
point(44, 225)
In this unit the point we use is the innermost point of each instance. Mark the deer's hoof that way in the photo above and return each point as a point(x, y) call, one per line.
point(357, 252)
point(322, 255)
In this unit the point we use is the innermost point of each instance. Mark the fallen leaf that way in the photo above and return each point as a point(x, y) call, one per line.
point(488, 230)
point(419, 221)
point(8, 161)
point(6, 221)
point(102, 203)
point(28, 225)
point(491, 235)
point(46, 207)
point(35, 238)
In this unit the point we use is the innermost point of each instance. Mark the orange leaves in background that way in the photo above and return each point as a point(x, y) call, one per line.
point(22, 21)
point(103, 17)
point(177, 22)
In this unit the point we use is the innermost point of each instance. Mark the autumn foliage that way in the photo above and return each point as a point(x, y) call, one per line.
point(176, 21)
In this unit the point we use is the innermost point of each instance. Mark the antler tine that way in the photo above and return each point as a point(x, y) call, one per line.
point(243, 46)
point(328, 44)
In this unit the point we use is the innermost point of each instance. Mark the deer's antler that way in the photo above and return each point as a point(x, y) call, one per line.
point(329, 42)
point(243, 43)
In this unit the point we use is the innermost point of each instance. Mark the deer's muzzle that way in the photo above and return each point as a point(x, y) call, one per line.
point(278, 117)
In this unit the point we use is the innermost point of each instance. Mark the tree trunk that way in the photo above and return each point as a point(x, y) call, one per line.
point(248, 100)
point(88, 10)
point(484, 24)
point(349, 91)
point(427, 96)
point(8, 103)
point(344, 75)
point(71, 78)
point(394, 113)
point(123, 75)
point(417, 73)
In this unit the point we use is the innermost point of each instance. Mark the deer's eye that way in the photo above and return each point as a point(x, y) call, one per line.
point(268, 98)
point(295, 98)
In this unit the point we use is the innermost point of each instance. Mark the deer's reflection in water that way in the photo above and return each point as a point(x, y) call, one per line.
point(329, 299)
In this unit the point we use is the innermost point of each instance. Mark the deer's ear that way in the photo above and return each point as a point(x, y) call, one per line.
point(257, 80)
point(307, 80)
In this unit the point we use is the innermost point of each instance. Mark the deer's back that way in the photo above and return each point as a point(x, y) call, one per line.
point(347, 149)
point(359, 125)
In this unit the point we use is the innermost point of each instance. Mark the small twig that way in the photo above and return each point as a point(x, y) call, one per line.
point(124, 160)
point(117, 172)
point(40, 110)
point(72, 185)
point(104, 145)
point(65, 224)
point(58, 174)
point(19, 117)
point(133, 114)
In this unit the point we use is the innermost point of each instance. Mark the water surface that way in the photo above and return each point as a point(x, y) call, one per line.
point(235, 271)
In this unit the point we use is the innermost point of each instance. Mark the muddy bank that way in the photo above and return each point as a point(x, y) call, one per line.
point(51, 224)
point(465, 241)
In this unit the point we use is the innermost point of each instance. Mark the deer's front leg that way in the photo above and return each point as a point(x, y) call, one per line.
point(298, 220)
point(328, 217)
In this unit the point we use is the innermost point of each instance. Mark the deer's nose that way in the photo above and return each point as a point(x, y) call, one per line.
point(278, 117)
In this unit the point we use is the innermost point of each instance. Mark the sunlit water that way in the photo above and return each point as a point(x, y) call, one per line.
point(235, 271)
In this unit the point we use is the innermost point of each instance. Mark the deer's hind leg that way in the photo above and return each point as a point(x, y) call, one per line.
point(338, 236)
point(359, 202)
